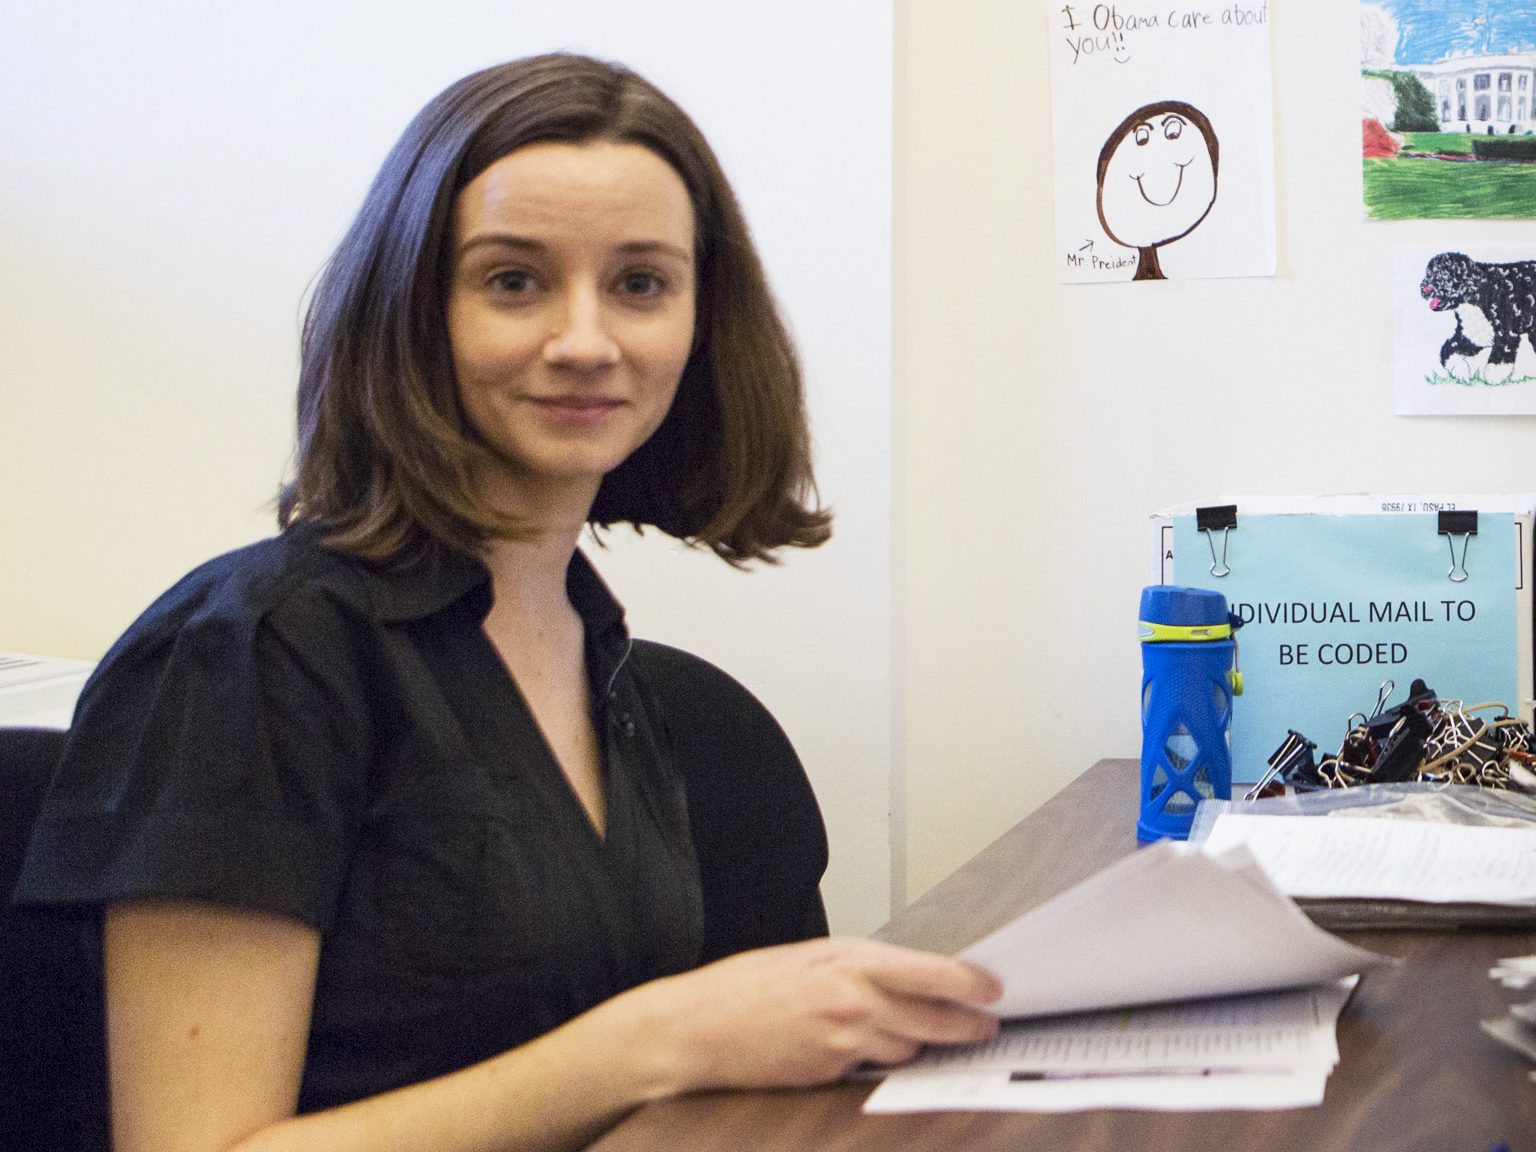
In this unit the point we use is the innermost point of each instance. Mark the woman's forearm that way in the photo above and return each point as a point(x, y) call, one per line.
point(208, 1010)
point(798, 1014)
point(558, 1092)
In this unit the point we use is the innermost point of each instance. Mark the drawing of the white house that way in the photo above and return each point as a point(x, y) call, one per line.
point(1486, 95)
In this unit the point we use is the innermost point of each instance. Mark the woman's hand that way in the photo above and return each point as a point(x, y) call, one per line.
point(805, 1013)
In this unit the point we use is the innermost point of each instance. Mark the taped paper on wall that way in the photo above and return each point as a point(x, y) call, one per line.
point(1464, 321)
point(1163, 140)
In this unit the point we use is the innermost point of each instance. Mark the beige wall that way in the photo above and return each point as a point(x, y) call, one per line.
point(174, 172)
point(1038, 424)
point(154, 259)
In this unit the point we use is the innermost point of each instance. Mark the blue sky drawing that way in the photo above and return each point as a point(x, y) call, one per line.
point(1432, 30)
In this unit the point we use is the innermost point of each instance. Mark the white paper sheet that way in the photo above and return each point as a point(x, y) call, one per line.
point(1465, 383)
point(1163, 924)
point(39, 691)
point(995, 1092)
point(1342, 857)
point(1268, 1030)
point(1271, 1050)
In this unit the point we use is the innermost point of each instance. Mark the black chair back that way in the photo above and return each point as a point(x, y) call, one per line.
point(757, 831)
point(53, 1066)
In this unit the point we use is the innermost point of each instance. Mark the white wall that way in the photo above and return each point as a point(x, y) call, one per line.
point(174, 172)
point(1038, 424)
point(171, 177)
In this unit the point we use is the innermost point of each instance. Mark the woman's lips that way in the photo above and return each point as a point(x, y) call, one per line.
point(576, 409)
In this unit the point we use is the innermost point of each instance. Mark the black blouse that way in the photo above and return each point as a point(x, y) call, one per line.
point(296, 731)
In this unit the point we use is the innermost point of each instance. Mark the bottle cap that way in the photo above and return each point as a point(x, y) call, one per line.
point(1171, 612)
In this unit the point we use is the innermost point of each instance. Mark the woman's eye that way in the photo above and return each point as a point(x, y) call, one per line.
point(1143, 134)
point(514, 281)
point(1173, 128)
point(640, 284)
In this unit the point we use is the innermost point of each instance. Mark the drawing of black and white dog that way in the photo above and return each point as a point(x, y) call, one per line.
point(1494, 304)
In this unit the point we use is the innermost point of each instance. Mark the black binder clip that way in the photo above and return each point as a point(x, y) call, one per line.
point(1403, 750)
point(1452, 525)
point(1421, 699)
point(1208, 520)
point(1292, 763)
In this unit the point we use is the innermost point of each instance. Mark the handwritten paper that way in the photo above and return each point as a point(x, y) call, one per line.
point(1357, 857)
point(1163, 140)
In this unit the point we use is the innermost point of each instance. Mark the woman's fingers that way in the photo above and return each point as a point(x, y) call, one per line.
point(926, 975)
point(926, 997)
point(884, 1048)
point(894, 1032)
point(805, 1013)
point(933, 1022)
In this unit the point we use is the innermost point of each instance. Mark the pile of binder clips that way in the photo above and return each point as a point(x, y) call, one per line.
point(1423, 739)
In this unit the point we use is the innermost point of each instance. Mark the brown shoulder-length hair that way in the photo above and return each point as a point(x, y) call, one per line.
point(385, 452)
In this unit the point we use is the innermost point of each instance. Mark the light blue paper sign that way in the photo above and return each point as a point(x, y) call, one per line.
point(1334, 605)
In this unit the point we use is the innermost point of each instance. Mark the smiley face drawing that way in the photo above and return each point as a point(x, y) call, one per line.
point(1157, 179)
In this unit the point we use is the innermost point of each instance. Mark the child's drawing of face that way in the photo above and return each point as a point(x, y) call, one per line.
point(1157, 175)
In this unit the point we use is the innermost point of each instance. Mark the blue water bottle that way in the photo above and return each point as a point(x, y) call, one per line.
point(1189, 676)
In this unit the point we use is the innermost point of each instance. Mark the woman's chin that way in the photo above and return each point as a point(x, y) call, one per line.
point(565, 479)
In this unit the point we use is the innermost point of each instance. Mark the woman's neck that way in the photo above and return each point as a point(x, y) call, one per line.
point(528, 576)
point(528, 573)
point(540, 637)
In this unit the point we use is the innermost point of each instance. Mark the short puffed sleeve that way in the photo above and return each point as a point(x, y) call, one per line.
point(219, 753)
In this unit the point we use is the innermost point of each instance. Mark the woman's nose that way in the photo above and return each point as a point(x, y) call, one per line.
point(581, 339)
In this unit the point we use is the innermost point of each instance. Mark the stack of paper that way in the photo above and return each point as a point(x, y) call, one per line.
point(1266, 1050)
point(39, 691)
point(1357, 871)
point(1162, 925)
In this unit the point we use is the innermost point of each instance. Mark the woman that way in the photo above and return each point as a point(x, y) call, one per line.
point(392, 844)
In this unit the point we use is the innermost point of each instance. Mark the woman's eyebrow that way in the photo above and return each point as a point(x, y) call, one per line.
point(1174, 116)
point(654, 247)
point(529, 244)
point(502, 240)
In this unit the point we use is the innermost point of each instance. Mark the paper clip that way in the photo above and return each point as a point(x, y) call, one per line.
point(1208, 520)
point(1452, 525)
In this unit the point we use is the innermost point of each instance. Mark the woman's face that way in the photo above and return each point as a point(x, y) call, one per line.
point(1160, 182)
point(571, 309)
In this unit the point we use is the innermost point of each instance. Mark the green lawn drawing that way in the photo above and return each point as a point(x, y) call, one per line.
point(1449, 143)
point(1424, 188)
point(1473, 381)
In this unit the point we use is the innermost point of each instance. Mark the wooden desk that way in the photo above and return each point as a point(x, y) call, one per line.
point(1415, 1072)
